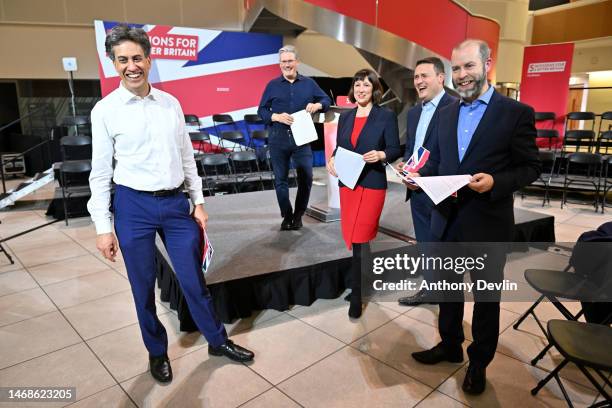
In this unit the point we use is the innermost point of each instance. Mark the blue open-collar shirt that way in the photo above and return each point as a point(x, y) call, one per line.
point(470, 115)
point(282, 96)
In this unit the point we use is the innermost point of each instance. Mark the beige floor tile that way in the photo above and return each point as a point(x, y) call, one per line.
point(86, 288)
point(256, 318)
point(527, 342)
point(112, 397)
point(199, 381)
point(350, 378)
point(124, 354)
point(284, 345)
point(15, 222)
point(38, 239)
point(509, 381)
point(271, 399)
point(35, 337)
point(24, 305)
point(74, 366)
point(67, 269)
point(568, 232)
point(50, 253)
point(16, 281)
point(560, 214)
point(103, 315)
point(5, 265)
point(395, 341)
point(118, 264)
point(438, 400)
point(588, 218)
point(331, 316)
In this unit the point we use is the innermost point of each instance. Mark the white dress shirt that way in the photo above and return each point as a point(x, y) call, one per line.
point(147, 139)
point(427, 112)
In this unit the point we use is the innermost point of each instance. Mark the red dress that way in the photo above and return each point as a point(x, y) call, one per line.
point(360, 208)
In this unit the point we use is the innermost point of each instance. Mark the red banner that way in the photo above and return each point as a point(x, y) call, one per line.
point(545, 82)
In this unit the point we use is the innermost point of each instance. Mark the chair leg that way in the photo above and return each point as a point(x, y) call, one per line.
point(527, 313)
point(9, 257)
point(553, 374)
point(593, 381)
point(542, 353)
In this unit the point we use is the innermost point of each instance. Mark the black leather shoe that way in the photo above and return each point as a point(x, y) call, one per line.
point(160, 368)
point(475, 379)
point(418, 298)
point(232, 351)
point(297, 222)
point(437, 355)
point(287, 223)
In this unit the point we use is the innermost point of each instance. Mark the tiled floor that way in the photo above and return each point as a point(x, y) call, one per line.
point(67, 319)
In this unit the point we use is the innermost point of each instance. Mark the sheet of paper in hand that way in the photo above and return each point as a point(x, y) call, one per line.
point(303, 128)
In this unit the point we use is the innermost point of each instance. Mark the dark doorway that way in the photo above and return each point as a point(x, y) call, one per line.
point(9, 111)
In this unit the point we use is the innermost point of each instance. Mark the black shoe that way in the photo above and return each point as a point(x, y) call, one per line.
point(355, 307)
point(287, 223)
point(297, 222)
point(475, 379)
point(420, 298)
point(232, 351)
point(437, 355)
point(160, 368)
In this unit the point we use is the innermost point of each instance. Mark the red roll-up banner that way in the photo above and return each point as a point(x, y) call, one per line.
point(545, 82)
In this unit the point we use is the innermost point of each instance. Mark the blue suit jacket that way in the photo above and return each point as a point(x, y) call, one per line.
point(413, 116)
point(380, 132)
point(503, 146)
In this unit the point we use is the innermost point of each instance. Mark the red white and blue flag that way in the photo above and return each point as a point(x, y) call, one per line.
point(208, 71)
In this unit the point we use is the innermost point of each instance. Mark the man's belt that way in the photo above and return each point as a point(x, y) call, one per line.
point(163, 193)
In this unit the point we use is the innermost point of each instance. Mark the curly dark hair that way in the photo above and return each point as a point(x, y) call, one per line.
point(123, 32)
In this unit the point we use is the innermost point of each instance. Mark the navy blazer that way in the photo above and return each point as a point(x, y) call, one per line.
point(503, 146)
point(413, 116)
point(380, 132)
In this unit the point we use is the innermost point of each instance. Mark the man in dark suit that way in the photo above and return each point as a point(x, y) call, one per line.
point(429, 82)
point(492, 138)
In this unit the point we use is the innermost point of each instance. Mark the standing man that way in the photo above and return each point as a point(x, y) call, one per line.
point(429, 79)
point(142, 130)
point(492, 138)
point(287, 94)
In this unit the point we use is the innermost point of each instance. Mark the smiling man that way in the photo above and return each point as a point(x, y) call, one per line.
point(429, 82)
point(492, 138)
point(140, 143)
point(287, 94)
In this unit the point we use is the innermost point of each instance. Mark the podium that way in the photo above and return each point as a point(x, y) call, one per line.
point(328, 211)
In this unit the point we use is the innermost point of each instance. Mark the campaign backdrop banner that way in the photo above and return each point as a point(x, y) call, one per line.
point(208, 71)
point(545, 82)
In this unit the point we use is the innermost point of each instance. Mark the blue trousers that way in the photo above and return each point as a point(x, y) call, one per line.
point(421, 207)
point(280, 156)
point(138, 216)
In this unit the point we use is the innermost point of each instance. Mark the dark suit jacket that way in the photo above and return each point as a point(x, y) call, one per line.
point(413, 116)
point(503, 146)
point(380, 132)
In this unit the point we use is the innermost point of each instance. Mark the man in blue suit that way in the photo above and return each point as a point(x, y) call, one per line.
point(429, 82)
point(492, 138)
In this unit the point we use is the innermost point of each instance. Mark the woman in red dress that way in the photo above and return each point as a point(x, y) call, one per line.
point(372, 132)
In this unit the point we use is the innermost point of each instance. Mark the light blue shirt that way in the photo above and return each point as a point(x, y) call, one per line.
point(470, 115)
point(429, 108)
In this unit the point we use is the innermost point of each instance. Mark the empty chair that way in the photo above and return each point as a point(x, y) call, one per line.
point(604, 134)
point(192, 120)
point(245, 167)
point(587, 345)
point(575, 140)
point(583, 169)
point(254, 123)
point(548, 160)
point(258, 139)
point(607, 183)
point(232, 140)
point(552, 136)
point(545, 116)
point(74, 177)
point(223, 121)
point(582, 135)
point(199, 139)
point(75, 148)
point(217, 172)
point(80, 125)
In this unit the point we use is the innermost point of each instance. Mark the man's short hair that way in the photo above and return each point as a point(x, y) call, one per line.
point(483, 48)
point(435, 61)
point(377, 89)
point(123, 32)
point(288, 48)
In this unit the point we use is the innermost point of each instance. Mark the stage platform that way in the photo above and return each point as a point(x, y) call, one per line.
point(255, 266)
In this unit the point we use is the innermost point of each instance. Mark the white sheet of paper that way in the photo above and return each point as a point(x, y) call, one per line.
point(348, 166)
point(440, 187)
point(303, 128)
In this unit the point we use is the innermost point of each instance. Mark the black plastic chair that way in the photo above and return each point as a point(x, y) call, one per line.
point(73, 181)
point(548, 134)
point(75, 148)
point(548, 160)
point(574, 140)
point(544, 116)
point(581, 135)
point(217, 172)
point(607, 183)
point(587, 345)
point(81, 124)
point(200, 138)
point(235, 137)
point(604, 143)
point(251, 121)
point(583, 169)
point(222, 121)
point(192, 120)
point(245, 167)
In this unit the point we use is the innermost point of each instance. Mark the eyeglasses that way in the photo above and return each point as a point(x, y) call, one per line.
point(287, 62)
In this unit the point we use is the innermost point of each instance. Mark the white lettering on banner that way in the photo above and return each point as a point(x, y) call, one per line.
point(174, 46)
point(545, 67)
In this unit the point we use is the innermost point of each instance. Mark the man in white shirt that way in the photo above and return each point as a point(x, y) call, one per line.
point(142, 129)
